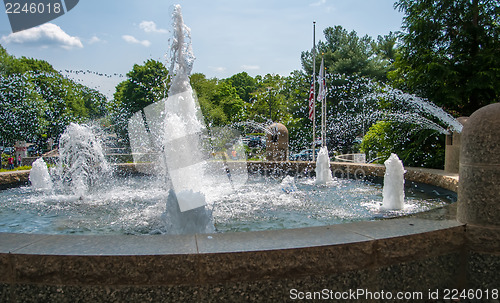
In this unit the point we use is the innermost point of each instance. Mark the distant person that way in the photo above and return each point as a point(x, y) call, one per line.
point(10, 161)
point(18, 160)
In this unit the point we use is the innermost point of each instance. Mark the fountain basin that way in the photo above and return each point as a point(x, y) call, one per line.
point(135, 204)
point(267, 266)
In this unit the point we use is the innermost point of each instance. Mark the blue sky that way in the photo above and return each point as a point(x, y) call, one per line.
point(228, 36)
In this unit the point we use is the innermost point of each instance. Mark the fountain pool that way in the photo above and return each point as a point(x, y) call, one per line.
point(136, 205)
point(193, 189)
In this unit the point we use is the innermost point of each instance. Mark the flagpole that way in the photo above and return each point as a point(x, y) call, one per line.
point(323, 107)
point(314, 91)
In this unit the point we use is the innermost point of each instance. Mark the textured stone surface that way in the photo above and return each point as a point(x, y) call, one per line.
point(442, 272)
point(105, 270)
point(483, 238)
point(394, 250)
point(284, 290)
point(479, 201)
point(102, 293)
point(253, 266)
point(483, 271)
point(283, 239)
point(13, 178)
point(279, 264)
point(478, 196)
point(112, 245)
point(5, 292)
point(480, 137)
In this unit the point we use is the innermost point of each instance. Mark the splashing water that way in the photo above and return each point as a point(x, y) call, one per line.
point(81, 159)
point(323, 172)
point(181, 54)
point(183, 126)
point(39, 175)
point(393, 191)
point(364, 103)
point(171, 132)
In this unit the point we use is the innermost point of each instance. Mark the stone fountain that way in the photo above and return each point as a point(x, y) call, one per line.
point(429, 252)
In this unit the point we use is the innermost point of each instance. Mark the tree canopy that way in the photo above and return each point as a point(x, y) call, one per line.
point(449, 52)
point(37, 102)
point(346, 53)
point(219, 101)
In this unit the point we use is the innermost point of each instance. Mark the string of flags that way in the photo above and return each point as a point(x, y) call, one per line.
point(84, 72)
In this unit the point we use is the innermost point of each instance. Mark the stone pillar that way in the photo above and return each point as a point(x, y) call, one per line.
point(452, 150)
point(479, 195)
point(277, 143)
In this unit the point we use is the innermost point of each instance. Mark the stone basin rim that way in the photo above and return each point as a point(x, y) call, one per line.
point(239, 242)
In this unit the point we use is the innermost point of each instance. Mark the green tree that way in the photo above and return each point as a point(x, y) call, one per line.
point(348, 54)
point(450, 52)
point(38, 102)
point(269, 101)
point(219, 100)
point(145, 85)
point(415, 147)
point(22, 110)
point(245, 85)
point(4, 61)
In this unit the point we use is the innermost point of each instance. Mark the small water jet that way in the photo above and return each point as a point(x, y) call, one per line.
point(393, 192)
point(81, 163)
point(323, 172)
point(39, 175)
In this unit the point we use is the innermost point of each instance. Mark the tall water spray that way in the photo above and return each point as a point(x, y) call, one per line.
point(183, 124)
point(393, 192)
point(171, 133)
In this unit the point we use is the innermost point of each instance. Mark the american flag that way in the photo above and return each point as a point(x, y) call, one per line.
point(311, 100)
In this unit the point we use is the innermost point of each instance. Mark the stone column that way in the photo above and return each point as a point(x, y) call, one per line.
point(452, 149)
point(277, 143)
point(479, 195)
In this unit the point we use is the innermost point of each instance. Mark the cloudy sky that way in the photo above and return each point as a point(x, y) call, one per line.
point(108, 37)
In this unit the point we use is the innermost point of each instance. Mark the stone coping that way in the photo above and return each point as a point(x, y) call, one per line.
point(13, 178)
point(253, 241)
point(220, 258)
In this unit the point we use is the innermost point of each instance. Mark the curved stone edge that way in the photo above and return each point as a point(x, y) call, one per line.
point(254, 266)
point(219, 258)
point(13, 178)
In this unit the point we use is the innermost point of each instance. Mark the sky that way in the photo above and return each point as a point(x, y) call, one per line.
point(260, 37)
